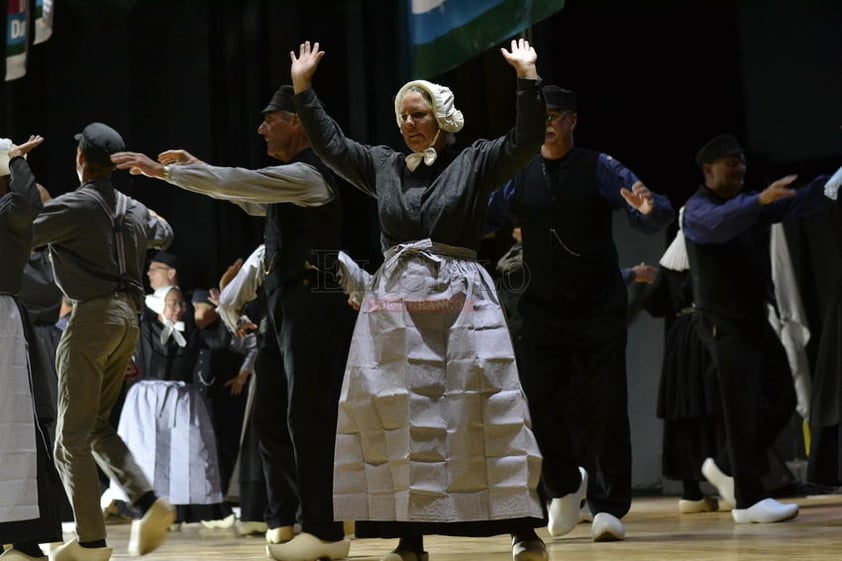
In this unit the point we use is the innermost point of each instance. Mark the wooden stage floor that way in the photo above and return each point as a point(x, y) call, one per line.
point(654, 531)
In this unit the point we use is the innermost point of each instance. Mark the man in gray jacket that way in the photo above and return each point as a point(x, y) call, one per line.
point(98, 239)
point(299, 375)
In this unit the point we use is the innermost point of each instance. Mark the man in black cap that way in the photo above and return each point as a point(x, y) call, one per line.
point(727, 236)
point(311, 320)
point(163, 270)
point(162, 274)
point(97, 238)
point(97, 142)
point(574, 316)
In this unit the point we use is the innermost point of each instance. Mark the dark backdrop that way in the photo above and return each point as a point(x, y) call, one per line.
point(655, 80)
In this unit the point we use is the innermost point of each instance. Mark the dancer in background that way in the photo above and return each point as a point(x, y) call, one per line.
point(688, 392)
point(574, 316)
point(727, 235)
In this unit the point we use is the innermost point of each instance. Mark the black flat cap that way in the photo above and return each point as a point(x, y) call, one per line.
point(166, 258)
point(98, 141)
point(559, 99)
point(718, 147)
point(282, 100)
point(201, 296)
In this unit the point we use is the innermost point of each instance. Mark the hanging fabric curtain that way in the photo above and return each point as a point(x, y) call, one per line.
point(446, 33)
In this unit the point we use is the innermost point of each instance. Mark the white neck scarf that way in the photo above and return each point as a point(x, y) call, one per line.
point(173, 329)
point(428, 156)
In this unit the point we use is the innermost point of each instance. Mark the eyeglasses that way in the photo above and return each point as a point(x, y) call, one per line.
point(552, 117)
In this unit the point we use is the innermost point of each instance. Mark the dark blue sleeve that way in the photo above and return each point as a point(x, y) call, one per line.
point(707, 222)
point(500, 212)
point(628, 275)
point(612, 177)
point(807, 200)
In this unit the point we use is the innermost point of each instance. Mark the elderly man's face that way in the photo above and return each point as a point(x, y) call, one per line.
point(279, 129)
point(160, 275)
point(418, 125)
point(559, 126)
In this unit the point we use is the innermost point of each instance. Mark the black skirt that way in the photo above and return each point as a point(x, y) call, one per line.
point(688, 387)
point(826, 406)
point(824, 466)
point(688, 402)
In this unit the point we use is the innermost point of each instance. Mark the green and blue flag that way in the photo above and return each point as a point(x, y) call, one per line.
point(446, 33)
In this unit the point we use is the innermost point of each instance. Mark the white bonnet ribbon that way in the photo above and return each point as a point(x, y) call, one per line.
point(428, 156)
point(173, 329)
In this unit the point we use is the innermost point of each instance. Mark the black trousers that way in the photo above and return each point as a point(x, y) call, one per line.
point(269, 423)
point(573, 371)
point(313, 336)
point(216, 368)
point(758, 397)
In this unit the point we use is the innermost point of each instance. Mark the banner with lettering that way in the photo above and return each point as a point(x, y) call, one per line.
point(43, 20)
point(16, 40)
point(446, 33)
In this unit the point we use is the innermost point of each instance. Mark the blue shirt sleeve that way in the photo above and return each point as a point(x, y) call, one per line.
point(628, 275)
point(611, 177)
point(500, 207)
point(808, 199)
point(707, 222)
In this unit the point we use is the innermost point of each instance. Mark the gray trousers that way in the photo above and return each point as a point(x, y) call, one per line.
point(91, 362)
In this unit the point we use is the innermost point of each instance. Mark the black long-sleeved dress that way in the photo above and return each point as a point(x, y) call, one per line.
point(434, 431)
point(26, 465)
